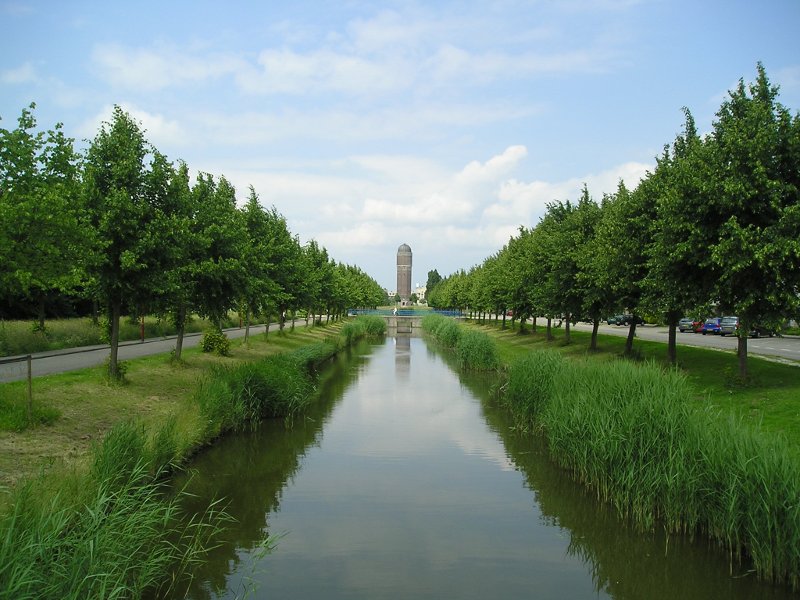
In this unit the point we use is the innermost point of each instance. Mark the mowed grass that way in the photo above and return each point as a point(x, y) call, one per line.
point(23, 337)
point(769, 400)
point(155, 390)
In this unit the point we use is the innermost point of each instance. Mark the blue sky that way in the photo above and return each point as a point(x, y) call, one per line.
point(443, 125)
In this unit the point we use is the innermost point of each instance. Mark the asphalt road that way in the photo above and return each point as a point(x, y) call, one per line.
point(787, 347)
point(47, 363)
point(59, 361)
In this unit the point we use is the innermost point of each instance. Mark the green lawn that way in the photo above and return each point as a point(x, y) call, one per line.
point(88, 406)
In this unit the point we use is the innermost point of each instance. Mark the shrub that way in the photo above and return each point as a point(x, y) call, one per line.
point(217, 342)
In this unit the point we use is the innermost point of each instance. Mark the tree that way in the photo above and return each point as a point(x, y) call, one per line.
point(122, 213)
point(182, 244)
point(433, 280)
point(679, 269)
point(756, 195)
point(219, 274)
point(44, 237)
point(260, 290)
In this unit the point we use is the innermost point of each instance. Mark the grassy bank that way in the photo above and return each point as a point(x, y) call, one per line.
point(659, 445)
point(95, 515)
point(23, 337)
point(474, 350)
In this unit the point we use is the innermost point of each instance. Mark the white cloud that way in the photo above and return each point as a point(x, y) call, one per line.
point(158, 130)
point(25, 73)
point(152, 69)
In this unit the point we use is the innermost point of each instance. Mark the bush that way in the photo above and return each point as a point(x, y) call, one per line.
point(217, 342)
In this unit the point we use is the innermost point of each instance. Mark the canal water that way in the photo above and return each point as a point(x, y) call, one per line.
point(407, 481)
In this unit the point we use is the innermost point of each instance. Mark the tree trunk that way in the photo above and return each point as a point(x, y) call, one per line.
point(246, 325)
point(672, 322)
point(742, 351)
point(113, 365)
point(181, 327)
point(266, 331)
point(567, 339)
point(595, 327)
point(533, 325)
point(629, 340)
point(504, 319)
point(292, 316)
point(549, 329)
point(41, 312)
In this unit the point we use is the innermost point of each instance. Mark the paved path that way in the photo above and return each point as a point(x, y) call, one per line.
point(59, 361)
point(787, 347)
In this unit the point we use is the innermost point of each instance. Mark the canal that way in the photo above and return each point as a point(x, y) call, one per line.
point(406, 481)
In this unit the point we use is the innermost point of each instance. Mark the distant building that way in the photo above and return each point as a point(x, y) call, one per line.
point(404, 273)
point(420, 292)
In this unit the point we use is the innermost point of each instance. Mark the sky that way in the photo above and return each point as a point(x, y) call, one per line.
point(442, 125)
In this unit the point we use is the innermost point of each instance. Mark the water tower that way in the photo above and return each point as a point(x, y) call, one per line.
point(404, 273)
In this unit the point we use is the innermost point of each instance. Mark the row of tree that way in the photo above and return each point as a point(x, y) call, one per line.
point(713, 229)
point(123, 225)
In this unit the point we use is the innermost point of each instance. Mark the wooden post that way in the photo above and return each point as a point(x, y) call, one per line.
point(30, 391)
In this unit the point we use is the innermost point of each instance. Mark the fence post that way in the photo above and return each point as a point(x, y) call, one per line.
point(30, 391)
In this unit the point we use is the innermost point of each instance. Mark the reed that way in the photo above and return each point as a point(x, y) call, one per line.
point(362, 326)
point(280, 385)
point(476, 351)
point(634, 435)
point(109, 533)
point(446, 330)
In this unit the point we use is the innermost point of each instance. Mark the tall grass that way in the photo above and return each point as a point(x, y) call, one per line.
point(633, 434)
point(281, 385)
point(108, 533)
point(14, 410)
point(362, 326)
point(474, 350)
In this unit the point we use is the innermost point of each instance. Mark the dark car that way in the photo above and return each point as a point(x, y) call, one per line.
point(712, 325)
point(628, 319)
point(689, 324)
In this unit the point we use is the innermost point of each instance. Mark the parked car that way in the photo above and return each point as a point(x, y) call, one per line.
point(614, 320)
point(628, 319)
point(688, 324)
point(712, 325)
point(730, 325)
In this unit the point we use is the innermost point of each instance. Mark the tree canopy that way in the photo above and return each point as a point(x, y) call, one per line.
point(714, 228)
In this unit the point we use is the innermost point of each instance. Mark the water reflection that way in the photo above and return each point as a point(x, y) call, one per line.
point(402, 356)
point(407, 481)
